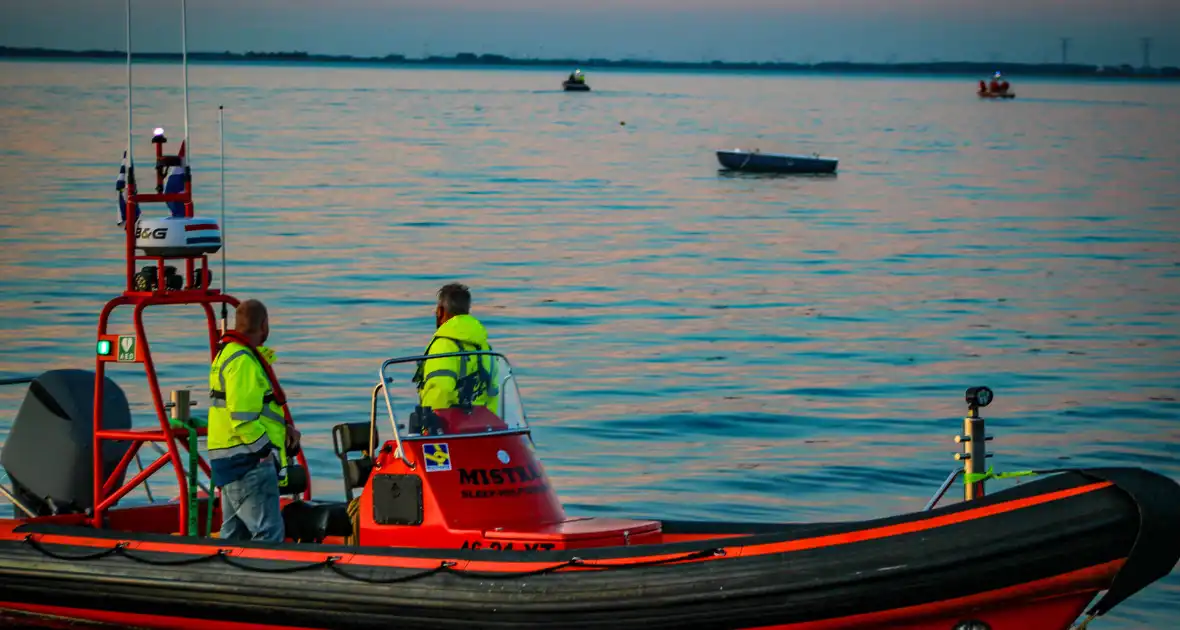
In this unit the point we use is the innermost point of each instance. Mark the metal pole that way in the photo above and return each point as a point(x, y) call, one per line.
point(180, 415)
point(942, 489)
point(146, 486)
point(160, 450)
point(130, 153)
point(188, 150)
point(974, 441)
point(221, 156)
point(974, 454)
point(180, 406)
point(17, 503)
point(17, 380)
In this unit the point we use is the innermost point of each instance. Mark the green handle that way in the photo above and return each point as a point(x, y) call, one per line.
point(193, 456)
point(193, 424)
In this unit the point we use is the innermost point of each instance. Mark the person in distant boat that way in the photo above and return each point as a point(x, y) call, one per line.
point(462, 382)
point(995, 84)
point(982, 87)
point(577, 77)
point(249, 441)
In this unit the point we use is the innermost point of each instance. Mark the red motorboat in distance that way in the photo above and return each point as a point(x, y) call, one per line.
point(998, 87)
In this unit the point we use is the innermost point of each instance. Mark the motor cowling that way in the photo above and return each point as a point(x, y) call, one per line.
point(47, 454)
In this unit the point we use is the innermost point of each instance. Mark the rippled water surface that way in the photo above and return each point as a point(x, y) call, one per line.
point(689, 344)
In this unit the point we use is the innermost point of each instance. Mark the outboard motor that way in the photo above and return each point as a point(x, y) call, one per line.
point(48, 451)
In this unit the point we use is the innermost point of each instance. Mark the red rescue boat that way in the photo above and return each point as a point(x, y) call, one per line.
point(998, 87)
point(457, 525)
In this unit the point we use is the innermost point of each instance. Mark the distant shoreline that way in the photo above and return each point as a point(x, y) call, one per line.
point(971, 68)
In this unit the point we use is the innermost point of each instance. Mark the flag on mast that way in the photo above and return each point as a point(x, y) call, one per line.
point(121, 189)
point(174, 183)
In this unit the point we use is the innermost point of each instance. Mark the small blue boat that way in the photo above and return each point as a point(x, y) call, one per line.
point(758, 162)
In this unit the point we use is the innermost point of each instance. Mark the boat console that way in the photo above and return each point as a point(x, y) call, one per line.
point(466, 476)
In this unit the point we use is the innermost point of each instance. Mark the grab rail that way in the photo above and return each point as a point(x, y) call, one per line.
point(382, 380)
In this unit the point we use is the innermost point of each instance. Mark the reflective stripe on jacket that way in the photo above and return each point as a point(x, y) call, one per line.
point(458, 381)
point(245, 422)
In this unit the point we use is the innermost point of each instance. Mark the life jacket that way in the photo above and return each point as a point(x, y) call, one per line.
point(461, 382)
point(247, 420)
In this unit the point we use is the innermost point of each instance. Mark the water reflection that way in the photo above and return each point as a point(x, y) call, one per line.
point(688, 345)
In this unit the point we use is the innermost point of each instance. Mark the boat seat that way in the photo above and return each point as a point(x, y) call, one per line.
point(297, 480)
point(354, 437)
point(312, 521)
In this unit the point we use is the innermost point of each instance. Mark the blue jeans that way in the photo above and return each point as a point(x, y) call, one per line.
point(250, 506)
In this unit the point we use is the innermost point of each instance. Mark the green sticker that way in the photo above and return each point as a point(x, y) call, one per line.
point(126, 348)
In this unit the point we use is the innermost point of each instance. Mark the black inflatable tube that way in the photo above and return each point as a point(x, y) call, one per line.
point(906, 569)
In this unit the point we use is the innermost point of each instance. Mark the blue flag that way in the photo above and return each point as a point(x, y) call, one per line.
point(174, 184)
point(121, 189)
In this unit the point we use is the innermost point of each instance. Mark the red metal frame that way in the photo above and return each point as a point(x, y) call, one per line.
point(106, 490)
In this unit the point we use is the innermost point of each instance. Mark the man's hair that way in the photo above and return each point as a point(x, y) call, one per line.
point(249, 316)
point(455, 299)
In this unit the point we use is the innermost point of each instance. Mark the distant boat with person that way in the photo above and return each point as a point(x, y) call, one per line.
point(575, 82)
point(997, 88)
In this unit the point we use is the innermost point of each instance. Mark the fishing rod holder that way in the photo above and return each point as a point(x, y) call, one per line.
point(974, 454)
point(974, 440)
point(180, 405)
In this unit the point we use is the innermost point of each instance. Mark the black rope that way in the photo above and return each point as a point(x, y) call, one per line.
point(445, 565)
point(228, 559)
point(165, 563)
point(333, 563)
point(578, 562)
point(56, 556)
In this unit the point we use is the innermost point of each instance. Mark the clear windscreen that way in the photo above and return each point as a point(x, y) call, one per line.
point(452, 394)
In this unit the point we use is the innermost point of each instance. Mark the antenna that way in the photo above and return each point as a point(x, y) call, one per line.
point(130, 146)
point(221, 152)
point(1064, 50)
point(188, 150)
point(1146, 42)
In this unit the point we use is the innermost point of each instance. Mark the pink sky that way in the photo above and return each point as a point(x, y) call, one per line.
point(1103, 31)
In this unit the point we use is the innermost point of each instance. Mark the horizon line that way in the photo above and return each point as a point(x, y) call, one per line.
point(495, 59)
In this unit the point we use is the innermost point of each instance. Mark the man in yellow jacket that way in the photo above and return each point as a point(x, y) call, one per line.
point(249, 441)
point(462, 382)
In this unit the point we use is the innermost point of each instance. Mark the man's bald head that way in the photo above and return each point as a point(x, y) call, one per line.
point(252, 322)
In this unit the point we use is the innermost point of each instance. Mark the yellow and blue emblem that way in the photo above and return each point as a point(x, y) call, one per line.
point(437, 456)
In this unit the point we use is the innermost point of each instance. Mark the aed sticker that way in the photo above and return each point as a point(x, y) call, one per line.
point(437, 456)
point(126, 349)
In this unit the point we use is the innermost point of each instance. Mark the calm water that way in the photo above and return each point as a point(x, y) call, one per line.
point(689, 344)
